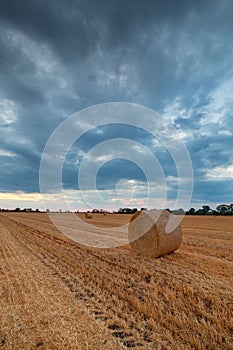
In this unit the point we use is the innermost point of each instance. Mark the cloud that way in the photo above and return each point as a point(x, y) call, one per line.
point(57, 58)
point(8, 112)
point(225, 133)
point(220, 173)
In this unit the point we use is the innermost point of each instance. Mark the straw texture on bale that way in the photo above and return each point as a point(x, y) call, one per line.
point(89, 215)
point(149, 234)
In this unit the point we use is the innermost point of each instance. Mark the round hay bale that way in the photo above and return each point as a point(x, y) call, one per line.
point(88, 215)
point(154, 233)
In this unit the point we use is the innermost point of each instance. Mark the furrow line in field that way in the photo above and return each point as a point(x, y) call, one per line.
point(90, 274)
point(89, 293)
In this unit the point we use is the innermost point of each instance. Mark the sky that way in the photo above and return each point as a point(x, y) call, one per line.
point(60, 57)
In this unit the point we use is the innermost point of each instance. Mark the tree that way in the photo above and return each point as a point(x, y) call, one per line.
point(179, 211)
point(223, 209)
point(205, 209)
point(231, 209)
point(191, 211)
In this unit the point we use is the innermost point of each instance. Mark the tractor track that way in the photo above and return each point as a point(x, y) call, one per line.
point(102, 297)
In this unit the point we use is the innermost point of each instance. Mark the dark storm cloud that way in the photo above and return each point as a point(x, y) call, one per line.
point(57, 57)
point(111, 172)
point(83, 22)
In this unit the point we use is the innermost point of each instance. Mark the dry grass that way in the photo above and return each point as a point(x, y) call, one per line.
point(56, 294)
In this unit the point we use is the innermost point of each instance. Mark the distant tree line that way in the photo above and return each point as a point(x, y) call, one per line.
point(17, 210)
point(221, 209)
point(129, 210)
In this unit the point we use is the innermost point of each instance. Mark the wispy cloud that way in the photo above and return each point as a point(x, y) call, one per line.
point(220, 173)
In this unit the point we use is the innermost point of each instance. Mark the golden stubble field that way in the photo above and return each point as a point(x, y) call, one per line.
point(57, 294)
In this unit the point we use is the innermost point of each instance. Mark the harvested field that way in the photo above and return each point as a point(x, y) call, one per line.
point(57, 294)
